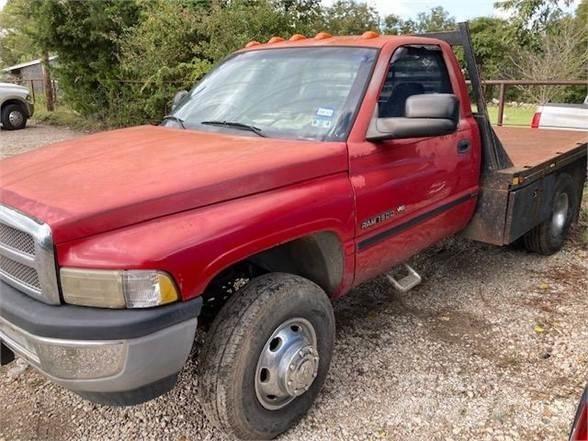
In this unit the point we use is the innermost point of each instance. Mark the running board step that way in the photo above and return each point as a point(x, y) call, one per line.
point(406, 283)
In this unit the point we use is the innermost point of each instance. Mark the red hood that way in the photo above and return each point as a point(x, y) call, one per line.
point(109, 180)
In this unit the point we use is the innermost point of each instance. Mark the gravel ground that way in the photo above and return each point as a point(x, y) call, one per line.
point(491, 346)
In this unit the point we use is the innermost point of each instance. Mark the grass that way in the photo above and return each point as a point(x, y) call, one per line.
point(513, 116)
point(64, 117)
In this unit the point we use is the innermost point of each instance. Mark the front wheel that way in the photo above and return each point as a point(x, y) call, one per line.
point(13, 117)
point(549, 236)
point(267, 356)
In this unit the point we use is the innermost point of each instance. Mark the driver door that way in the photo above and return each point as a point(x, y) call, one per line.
point(410, 192)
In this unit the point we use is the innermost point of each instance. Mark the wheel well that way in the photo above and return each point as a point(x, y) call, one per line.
point(12, 101)
point(317, 257)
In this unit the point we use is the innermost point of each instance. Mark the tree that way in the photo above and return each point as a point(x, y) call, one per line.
point(564, 55)
point(25, 30)
point(86, 36)
point(160, 55)
point(229, 26)
point(493, 46)
point(16, 33)
point(436, 20)
point(395, 25)
point(532, 17)
point(350, 17)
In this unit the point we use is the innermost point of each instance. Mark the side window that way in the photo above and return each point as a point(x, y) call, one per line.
point(413, 71)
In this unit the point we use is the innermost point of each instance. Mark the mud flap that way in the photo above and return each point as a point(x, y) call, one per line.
point(6, 354)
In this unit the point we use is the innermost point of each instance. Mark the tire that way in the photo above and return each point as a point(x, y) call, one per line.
point(13, 117)
point(238, 337)
point(548, 237)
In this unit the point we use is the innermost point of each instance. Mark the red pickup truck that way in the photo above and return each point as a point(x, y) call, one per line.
point(293, 172)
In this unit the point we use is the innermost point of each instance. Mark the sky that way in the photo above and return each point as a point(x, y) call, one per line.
point(460, 9)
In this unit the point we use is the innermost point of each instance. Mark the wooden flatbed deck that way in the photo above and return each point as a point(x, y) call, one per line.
point(530, 148)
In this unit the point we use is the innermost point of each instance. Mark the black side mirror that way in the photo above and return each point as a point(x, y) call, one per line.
point(426, 115)
point(178, 98)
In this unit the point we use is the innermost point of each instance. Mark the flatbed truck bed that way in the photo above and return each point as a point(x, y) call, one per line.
point(515, 199)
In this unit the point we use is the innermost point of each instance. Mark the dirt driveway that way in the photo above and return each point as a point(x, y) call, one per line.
point(492, 346)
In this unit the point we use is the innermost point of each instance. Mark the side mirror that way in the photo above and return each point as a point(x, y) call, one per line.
point(178, 98)
point(426, 115)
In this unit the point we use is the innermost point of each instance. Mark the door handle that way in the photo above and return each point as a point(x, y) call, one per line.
point(463, 146)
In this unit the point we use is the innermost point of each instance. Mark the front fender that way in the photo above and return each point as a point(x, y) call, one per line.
point(196, 245)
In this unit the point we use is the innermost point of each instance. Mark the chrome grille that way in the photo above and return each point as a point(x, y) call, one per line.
point(27, 260)
point(17, 240)
point(19, 272)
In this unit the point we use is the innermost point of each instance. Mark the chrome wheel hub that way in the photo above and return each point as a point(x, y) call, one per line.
point(560, 213)
point(288, 364)
point(16, 118)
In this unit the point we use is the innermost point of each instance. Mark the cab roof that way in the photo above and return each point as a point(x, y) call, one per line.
point(367, 39)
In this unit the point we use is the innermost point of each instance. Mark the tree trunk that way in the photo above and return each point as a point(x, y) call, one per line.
point(47, 84)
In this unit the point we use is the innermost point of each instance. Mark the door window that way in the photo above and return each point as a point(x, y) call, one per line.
point(414, 70)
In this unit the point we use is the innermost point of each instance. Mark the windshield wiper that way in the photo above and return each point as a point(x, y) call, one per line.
point(180, 121)
point(236, 125)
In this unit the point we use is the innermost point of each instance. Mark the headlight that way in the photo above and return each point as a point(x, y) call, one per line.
point(117, 289)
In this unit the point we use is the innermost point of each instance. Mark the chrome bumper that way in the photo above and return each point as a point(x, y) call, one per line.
point(104, 366)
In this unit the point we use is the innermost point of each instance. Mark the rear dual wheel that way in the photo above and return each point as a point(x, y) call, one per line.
point(267, 356)
point(549, 236)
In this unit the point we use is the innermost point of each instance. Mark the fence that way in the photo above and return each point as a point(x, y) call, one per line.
point(37, 86)
point(503, 84)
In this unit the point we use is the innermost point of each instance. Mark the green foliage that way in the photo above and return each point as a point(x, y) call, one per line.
point(231, 25)
point(492, 45)
point(531, 18)
point(158, 56)
point(86, 37)
point(17, 28)
point(348, 17)
point(121, 61)
point(435, 20)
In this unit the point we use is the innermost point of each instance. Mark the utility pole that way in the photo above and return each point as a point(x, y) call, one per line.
point(47, 83)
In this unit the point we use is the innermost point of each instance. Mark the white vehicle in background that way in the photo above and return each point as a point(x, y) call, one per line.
point(16, 106)
point(561, 116)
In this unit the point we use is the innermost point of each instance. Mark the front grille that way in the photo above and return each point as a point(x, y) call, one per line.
point(17, 240)
point(20, 273)
point(27, 259)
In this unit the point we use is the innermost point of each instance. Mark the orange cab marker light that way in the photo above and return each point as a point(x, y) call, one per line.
point(369, 34)
point(297, 37)
point(275, 40)
point(252, 43)
point(322, 36)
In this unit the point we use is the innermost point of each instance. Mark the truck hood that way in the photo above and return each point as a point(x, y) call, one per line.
point(109, 180)
point(14, 88)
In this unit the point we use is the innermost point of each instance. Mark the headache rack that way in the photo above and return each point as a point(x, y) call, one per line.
point(495, 156)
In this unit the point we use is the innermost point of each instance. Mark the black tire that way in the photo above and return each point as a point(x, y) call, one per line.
point(235, 341)
point(11, 109)
point(545, 238)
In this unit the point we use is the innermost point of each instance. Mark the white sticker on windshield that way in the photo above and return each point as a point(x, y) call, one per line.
point(325, 112)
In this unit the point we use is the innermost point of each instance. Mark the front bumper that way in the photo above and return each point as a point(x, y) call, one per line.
point(119, 357)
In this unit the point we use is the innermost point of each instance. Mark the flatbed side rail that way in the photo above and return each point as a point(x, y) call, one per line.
point(495, 157)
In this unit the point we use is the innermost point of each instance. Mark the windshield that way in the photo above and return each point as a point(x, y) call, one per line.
point(297, 93)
